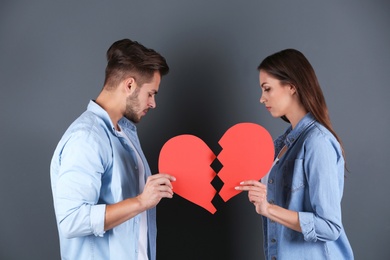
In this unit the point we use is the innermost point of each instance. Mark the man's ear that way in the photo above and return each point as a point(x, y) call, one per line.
point(130, 85)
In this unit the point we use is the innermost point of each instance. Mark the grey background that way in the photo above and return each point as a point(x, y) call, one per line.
point(52, 62)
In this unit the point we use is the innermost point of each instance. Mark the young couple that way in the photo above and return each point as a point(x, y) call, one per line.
point(105, 195)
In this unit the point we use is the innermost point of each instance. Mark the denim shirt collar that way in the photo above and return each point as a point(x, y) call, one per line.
point(98, 110)
point(303, 124)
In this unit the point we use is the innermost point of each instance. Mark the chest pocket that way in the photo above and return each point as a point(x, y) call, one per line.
point(293, 176)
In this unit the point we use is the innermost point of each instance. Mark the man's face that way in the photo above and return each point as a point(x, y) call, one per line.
point(142, 99)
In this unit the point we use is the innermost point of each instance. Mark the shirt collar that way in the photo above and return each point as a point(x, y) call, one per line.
point(98, 110)
point(303, 124)
point(126, 123)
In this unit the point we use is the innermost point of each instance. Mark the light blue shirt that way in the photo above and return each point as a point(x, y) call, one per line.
point(93, 166)
point(308, 179)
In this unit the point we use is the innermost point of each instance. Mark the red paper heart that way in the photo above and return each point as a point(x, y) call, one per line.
point(247, 153)
point(188, 158)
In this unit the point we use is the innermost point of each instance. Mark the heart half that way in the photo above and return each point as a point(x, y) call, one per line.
point(247, 154)
point(188, 158)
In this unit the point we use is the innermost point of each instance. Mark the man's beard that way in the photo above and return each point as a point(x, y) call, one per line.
point(133, 107)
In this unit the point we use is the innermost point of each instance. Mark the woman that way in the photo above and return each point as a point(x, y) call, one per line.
point(300, 197)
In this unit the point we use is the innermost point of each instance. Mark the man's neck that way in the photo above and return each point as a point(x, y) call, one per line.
point(111, 104)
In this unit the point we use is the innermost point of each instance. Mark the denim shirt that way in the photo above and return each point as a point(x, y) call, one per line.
point(308, 179)
point(93, 166)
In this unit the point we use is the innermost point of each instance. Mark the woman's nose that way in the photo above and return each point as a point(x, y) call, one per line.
point(262, 99)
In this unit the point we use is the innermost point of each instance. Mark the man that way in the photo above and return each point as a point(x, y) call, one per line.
point(104, 193)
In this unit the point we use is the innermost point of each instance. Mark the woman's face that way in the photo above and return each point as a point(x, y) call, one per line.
point(277, 98)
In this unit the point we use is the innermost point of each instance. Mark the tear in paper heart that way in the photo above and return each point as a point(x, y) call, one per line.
point(247, 153)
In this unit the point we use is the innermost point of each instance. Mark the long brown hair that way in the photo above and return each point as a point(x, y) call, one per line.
point(290, 66)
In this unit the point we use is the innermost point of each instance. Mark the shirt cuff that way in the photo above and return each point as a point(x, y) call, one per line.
point(97, 217)
point(306, 221)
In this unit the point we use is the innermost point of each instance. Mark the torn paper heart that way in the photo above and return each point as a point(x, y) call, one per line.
point(247, 153)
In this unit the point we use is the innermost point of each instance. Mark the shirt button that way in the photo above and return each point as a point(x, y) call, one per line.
point(273, 258)
point(271, 181)
point(271, 201)
point(273, 240)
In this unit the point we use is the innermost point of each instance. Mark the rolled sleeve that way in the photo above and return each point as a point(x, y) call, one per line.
point(78, 187)
point(97, 217)
point(306, 221)
point(324, 173)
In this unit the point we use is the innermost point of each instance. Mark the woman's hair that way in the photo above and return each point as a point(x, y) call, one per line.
point(291, 67)
point(129, 58)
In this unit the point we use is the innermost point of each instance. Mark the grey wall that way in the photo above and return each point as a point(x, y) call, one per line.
point(52, 62)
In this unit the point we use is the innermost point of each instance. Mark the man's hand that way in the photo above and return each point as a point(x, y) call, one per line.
point(157, 186)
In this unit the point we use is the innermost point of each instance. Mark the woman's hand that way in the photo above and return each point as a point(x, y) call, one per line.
point(257, 194)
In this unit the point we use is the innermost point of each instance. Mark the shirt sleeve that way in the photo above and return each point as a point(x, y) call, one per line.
point(324, 169)
point(82, 164)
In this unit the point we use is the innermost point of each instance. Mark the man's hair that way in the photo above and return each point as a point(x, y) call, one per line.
point(127, 58)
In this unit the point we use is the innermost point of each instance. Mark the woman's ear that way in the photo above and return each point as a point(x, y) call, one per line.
point(293, 89)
